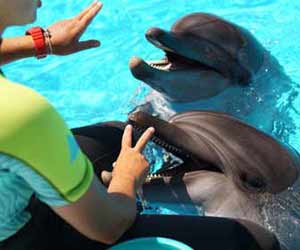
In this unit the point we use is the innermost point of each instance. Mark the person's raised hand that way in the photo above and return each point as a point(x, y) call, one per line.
point(65, 34)
point(131, 163)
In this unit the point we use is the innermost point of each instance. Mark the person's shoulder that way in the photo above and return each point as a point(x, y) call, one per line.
point(34, 132)
point(6, 162)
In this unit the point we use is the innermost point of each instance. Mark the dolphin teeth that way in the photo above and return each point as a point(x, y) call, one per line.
point(160, 65)
point(162, 143)
point(151, 177)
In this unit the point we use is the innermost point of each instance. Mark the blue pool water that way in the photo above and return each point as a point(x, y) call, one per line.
point(96, 85)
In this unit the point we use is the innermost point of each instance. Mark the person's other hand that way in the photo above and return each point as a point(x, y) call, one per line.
point(131, 163)
point(65, 34)
point(106, 177)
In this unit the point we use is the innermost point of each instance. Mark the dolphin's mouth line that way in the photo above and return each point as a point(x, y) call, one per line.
point(167, 146)
point(175, 62)
point(170, 171)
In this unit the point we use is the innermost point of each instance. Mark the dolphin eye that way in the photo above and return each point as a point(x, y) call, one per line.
point(160, 89)
point(256, 183)
point(253, 182)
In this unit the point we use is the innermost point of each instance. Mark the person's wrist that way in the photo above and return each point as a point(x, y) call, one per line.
point(27, 47)
point(123, 175)
point(42, 41)
point(128, 177)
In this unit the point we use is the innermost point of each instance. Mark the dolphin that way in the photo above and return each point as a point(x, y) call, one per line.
point(252, 160)
point(213, 64)
point(229, 168)
point(203, 53)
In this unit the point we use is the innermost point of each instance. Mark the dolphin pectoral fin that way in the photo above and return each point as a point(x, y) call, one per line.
point(212, 191)
point(218, 195)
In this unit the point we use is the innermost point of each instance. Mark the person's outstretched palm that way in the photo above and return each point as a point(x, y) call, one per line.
point(65, 34)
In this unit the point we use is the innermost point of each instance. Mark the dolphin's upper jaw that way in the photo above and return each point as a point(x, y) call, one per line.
point(164, 137)
point(173, 60)
point(178, 60)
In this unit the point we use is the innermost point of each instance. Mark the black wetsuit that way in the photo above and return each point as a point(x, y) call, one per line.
point(101, 143)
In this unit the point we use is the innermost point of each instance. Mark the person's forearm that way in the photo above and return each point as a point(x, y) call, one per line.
point(123, 193)
point(122, 188)
point(12, 49)
point(124, 184)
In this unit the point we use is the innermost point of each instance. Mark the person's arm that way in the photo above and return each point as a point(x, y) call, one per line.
point(64, 39)
point(105, 214)
point(12, 49)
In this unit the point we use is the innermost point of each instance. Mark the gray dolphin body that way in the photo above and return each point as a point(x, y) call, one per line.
point(230, 169)
point(213, 64)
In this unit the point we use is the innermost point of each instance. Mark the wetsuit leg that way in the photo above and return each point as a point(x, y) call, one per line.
point(48, 231)
point(101, 143)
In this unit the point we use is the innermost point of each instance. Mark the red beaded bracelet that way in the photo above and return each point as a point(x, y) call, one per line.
point(37, 34)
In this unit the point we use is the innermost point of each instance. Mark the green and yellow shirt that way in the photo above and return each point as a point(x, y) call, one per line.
point(38, 154)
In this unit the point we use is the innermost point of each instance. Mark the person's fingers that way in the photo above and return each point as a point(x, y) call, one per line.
point(141, 143)
point(106, 177)
point(82, 13)
point(127, 137)
point(90, 14)
point(89, 44)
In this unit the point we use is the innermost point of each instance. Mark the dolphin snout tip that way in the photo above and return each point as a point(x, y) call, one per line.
point(136, 67)
point(135, 116)
point(135, 62)
point(154, 33)
point(140, 69)
point(143, 119)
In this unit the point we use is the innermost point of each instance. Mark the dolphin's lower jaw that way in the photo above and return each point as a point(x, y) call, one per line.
point(177, 79)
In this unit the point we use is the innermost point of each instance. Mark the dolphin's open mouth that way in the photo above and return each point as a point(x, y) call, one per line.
point(192, 69)
point(173, 61)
